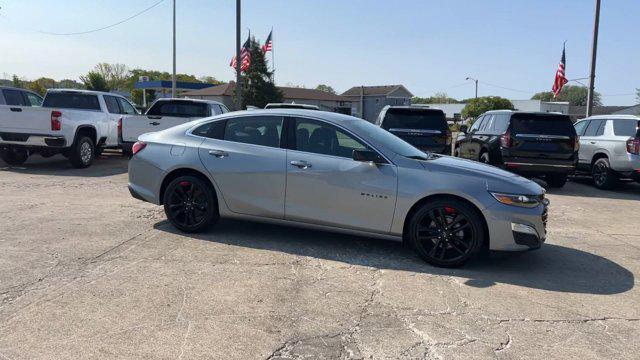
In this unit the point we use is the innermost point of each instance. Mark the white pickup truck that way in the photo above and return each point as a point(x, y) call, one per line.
point(79, 124)
point(163, 114)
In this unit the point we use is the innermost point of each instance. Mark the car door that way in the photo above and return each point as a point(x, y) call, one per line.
point(472, 150)
point(465, 143)
point(589, 141)
point(248, 165)
point(326, 186)
point(580, 127)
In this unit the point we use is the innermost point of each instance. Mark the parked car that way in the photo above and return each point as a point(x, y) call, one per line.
point(290, 106)
point(526, 143)
point(16, 97)
point(79, 124)
point(423, 127)
point(335, 172)
point(163, 114)
point(610, 148)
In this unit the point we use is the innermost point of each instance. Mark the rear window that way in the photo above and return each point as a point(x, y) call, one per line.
point(542, 124)
point(626, 128)
point(71, 101)
point(414, 119)
point(179, 109)
point(13, 97)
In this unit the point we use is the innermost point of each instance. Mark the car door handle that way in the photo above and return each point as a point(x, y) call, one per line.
point(218, 153)
point(16, 109)
point(154, 123)
point(301, 164)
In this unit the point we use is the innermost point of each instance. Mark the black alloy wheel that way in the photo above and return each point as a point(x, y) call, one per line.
point(446, 232)
point(603, 176)
point(190, 204)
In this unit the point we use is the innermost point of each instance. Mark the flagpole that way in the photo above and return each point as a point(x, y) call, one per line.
point(238, 60)
point(273, 59)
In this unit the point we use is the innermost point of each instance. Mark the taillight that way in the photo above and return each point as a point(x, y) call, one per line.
point(138, 146)
point(505, 140)
point(56, 123)
point(120, 128)
point(576, 144)
point(633, 146)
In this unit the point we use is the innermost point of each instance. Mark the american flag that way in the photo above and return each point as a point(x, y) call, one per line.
point(560, 80)
point(245, 55)
point(268, 45)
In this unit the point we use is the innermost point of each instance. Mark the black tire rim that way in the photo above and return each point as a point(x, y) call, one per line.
point(188, 204)
point(600, 173)
point(445, 234)
point(484, 158)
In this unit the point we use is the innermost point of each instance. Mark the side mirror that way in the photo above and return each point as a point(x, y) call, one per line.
point(368, 156)
point(464, 128)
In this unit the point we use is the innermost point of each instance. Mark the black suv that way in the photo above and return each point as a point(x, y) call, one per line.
point(527, 143)
point(420, 126)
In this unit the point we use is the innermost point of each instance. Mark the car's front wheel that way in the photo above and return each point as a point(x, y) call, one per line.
point(14, 156)
point(190, 204)
point(446, 232)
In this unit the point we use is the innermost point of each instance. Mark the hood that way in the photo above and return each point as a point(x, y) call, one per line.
point(496, 179)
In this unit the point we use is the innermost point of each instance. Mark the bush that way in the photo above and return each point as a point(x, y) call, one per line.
point(478, 106)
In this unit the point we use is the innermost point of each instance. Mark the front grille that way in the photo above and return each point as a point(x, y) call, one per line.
point(14, 137)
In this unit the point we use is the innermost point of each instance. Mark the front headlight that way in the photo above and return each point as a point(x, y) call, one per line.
point(517, 200)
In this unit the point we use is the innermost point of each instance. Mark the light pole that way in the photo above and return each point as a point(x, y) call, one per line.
point(238, 60)
point(476, 81)
point(173, 75)
point(594, 50)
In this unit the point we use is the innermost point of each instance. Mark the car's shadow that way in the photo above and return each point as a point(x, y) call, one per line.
point(581, 186)
point(108, 164)
point(553, 267)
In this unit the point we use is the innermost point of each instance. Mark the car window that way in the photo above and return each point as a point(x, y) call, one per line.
point(179, 109)
point(542, 124)
point(625, 127)
point(422, 119)
point(13, 97)
point(256, 130)
point(476, 125)
point(600, 130)
point(112, 104)
point(224, 109)
point(126, 107)
point(593, 127)
point(581, 126)
point(487, 124)
point(33, 99)
point(216, 109)
point(500, 124)
point(71, 100)
point(321, 138)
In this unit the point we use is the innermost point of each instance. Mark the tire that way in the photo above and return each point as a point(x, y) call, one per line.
point(484, 158)
point(14, 157)
point(603, 177)
point(440, 243)
point(190, 204)
point(556, 180)
point(82, 152)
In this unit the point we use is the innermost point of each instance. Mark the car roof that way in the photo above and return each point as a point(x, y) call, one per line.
point(82, 91)
point(191, 100)
point(15, 88)
point(523, 112)
point(615, 117)
point(420, 107)
point(332, 117)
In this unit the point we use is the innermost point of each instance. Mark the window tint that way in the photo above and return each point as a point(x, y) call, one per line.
point(487, 124)
point(216, 109)
point(259, 130)
point(414, 119)
point(600, 130)
point(13, 97)
point(385, 139)
point(542, 124)
point(112, 104)
point(33, 99)
point(179, 109)
point(71, 101)
point(321, 138)
point(581, 126)
point(476, 125)
point(500, 124)
point(593, 127)
point(626, 127)
point(224, 109)
point(126, 107)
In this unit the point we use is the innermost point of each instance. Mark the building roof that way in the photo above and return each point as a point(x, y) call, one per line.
point(374, 90)
point(166, 84)
point(597, 110)
point(288, 93)
point(216, 90)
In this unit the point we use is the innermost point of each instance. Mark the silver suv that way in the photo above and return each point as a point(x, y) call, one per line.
point(609, 148)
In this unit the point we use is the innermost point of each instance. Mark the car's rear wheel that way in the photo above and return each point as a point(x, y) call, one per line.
point(190, 204)
point(14, 156)
point(82, 152)
point(446, 232)
point(556, 180)
point(603, 176)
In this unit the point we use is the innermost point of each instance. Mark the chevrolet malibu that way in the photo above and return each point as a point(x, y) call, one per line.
point(334, 172)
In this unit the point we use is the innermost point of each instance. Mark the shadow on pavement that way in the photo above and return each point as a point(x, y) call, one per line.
point(583, 187)
point(108, 164)
point(553, 267)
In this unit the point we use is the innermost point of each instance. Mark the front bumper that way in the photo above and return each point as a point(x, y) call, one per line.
point(513, 228)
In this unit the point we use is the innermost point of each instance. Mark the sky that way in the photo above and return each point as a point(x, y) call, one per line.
point(511, 46)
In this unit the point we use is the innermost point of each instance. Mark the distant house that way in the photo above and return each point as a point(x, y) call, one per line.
point(367, 101)
point(324, 100)
point(580, 112)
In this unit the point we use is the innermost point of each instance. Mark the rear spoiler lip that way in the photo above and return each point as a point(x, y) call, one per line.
point(555, 137)
point(420, 131)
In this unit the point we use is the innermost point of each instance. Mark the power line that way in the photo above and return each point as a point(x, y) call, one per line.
point(506, 88)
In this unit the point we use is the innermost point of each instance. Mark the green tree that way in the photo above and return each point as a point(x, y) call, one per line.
point(41, 85)
point(210, 80)
point(575, 95)
point(437, 98)
point(258, 88)
point(475, 107)
point(16, 82)
point(70, 84)
point(95, 81)
point(115, 75)
point(327, 88)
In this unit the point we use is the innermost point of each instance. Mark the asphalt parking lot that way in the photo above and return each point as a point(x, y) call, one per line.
point(88, 272)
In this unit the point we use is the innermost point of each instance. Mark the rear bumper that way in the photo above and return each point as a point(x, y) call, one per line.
point(32, 140)
point(539, 165)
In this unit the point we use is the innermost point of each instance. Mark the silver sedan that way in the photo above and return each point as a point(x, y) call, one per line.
point(334, 172)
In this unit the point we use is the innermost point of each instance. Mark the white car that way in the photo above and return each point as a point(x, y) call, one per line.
point(76, 123)
point(163, 114)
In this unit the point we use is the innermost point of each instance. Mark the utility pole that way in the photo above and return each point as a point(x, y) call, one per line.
point(594, 51)
point(238, 60)
point(476, 81)
point(173, 75)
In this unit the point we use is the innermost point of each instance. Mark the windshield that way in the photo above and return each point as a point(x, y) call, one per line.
point(386, 139)
point(542, 124)
point(414, 119)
